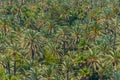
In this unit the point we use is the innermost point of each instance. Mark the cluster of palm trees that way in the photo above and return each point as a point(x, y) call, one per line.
point(59, 40)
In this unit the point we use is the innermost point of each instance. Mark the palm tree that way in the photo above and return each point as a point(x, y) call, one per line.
point(67, 66)
point(33, 74)
point(4, 26)
point(14, 51)
point(32, 43)
point(111, 61)
point(62, 38)
point(53, 49)
point(75, 36)
point(13, 46)
point(5, 63)
point(113, 58)
point(93, 61)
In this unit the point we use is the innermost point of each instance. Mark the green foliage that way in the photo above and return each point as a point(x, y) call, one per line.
point(49, 58)
point(59, 39)
point(2, 72)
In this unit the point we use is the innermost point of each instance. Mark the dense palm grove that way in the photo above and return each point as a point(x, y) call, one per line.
point(59, 40)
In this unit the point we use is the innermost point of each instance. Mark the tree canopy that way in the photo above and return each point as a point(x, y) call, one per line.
point(59, 39)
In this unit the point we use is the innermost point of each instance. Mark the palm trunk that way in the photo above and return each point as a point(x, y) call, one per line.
point(14, 64)
point(64, 47)
point(32, 50)
point(8, 67)
point(67, 75)
point(114, 42)
point(4, 29)
point(14, 67)
point(32, 54)
point(115, 34)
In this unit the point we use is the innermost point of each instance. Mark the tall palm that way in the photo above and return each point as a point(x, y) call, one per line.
point(32, 43)
point(75, 35)
point(63, 36)
point(4, 25)
point(3, 50)
point(93, 61)
point(14, 50)
point(67, 66)
point(53, 49)
point(3, 43)
point(9, 40)
point(13, 45)
point(113, 59)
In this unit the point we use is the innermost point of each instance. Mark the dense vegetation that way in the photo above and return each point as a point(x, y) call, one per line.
point(59, 40)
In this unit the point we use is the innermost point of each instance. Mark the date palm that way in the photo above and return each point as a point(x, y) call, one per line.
point(67, 66)
point(93, 61)
point(114, 59)
point(4, 25)
point(76, 30)
point(40, 39)
point(32, 43)
point(14, 50)
point(53, 49)
point(63, 36)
